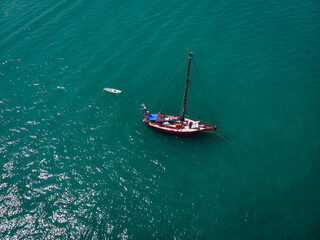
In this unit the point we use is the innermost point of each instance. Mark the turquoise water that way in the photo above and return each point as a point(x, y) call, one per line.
point(77, 162)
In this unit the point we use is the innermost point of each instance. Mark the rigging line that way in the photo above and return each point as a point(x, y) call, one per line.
point(202, 88)
point(165, 100)
point(171, 89)
point(169, 93)
point(195, 102)
point(174, 77)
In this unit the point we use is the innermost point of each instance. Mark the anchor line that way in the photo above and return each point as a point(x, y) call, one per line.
point(236, 145)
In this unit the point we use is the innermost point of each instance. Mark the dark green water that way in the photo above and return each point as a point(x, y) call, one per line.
point(77, 162)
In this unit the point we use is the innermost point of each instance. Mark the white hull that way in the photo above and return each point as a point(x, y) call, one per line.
point(112, 90)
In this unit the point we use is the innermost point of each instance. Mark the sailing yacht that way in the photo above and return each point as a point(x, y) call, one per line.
point(176, 124)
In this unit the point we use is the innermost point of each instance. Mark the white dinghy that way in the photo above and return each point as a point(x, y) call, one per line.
point(112, 90)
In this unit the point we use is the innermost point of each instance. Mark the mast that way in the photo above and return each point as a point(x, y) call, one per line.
point(185, 93)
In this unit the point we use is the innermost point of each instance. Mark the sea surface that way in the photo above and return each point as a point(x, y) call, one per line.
point(77, 162)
